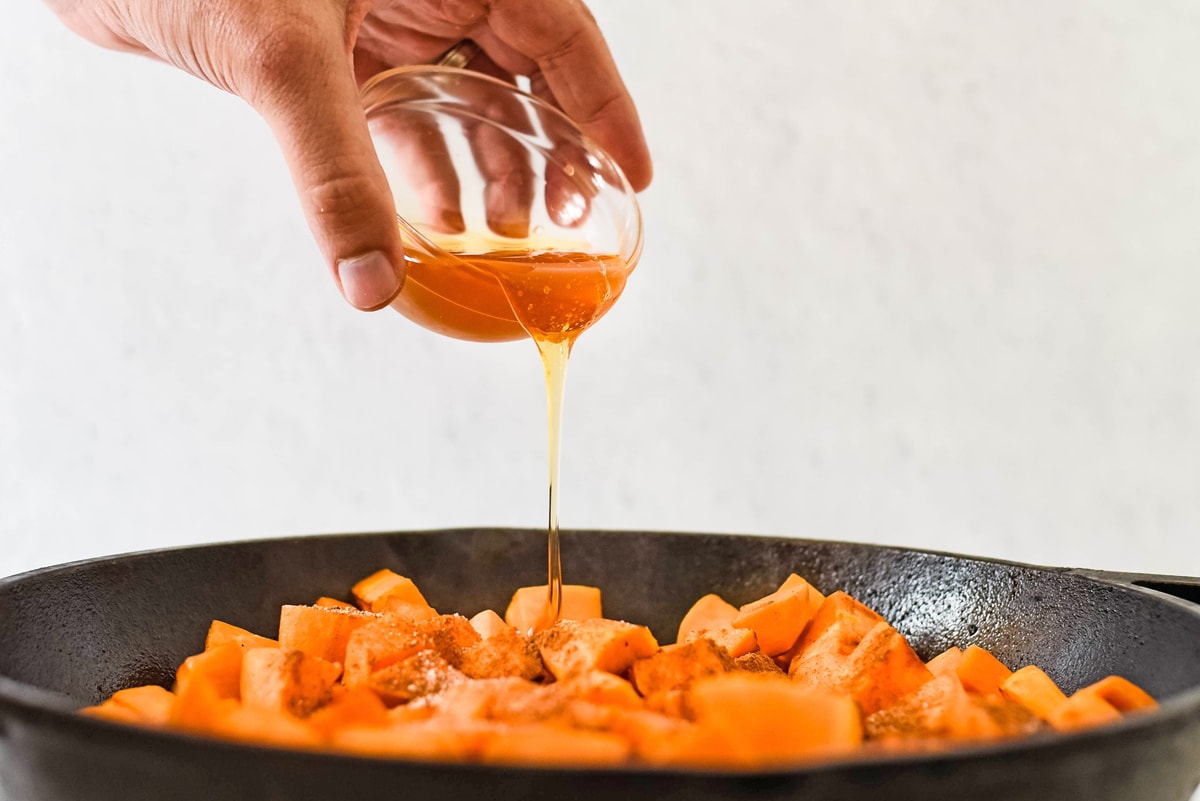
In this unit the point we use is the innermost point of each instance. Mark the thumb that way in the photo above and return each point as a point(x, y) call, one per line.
point(305, 90)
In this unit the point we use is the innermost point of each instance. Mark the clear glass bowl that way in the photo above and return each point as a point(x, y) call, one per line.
point(514, 223)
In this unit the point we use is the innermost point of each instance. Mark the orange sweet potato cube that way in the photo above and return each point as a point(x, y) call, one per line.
point(878, 671)
point(354, 708)
point(1033, 689)
point(1083, 710)
point(677, 666)
point(1122, 694)
point(372, 591)
point(946, 662)
point(423, 673)
point(505, 652)
point(942, 708)
point(257, 724)
point(392, 638)
point(290, 681)
point(763, 721)
point(333, 603)
point(433, 739)
point(148, 705)
point(710, 612)
point(736, 642)
point(544, 744)
point(488, 623)
point(839, 621)
point(980, 672)
point(221, 633)
point(575, 646)
point(320, 631)
point(778, 619)
point(527, 608)
point(220, 668)
point(757, 662)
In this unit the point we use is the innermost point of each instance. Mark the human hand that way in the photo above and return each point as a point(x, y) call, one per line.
point(298, 63)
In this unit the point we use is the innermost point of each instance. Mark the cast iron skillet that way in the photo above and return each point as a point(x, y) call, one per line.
point(71, 635)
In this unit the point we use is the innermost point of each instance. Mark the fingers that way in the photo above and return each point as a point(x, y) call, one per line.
point(303, 85)
point(562, 38)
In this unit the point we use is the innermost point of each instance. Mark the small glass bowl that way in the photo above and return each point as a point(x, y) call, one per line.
point(484, 174)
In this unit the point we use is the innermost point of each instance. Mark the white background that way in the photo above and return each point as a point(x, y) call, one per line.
point(918, 272)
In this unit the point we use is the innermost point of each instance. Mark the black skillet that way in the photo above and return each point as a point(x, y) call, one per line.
point(71, 635)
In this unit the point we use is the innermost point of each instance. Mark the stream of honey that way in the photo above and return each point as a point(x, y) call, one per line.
point(550, 296)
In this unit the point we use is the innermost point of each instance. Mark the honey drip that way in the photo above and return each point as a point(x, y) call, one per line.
point(550, 296)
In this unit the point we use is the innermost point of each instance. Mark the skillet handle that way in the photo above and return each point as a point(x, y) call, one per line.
point(1186, 588)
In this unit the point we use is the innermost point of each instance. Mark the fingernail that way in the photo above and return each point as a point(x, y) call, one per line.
point(369, 281)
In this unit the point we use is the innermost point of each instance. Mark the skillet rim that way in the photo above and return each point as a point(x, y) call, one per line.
point(32, 703)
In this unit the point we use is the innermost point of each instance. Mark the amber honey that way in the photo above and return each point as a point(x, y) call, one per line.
point(551, 296)
point(507, 295)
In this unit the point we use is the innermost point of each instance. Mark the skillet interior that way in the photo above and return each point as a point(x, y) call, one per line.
point(88, 629)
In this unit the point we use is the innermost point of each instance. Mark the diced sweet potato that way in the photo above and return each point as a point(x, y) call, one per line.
point(506, 652)
point(552, 745)
point(946, 663)
point(677, 666)
point(257, 724)
point(575, 646)
point(880, 669)
point(149, 705)
point(320, 631)
point(840, 620)
point(757, 662)
point(433, 739)
point(600, 687)
point(736, 642)
point(942, 708)
point(357, 708)
point(779, 618)
point(421, 674)
point(333, 603)
point(198, 705)
point(710, 612)
point(476, 699)
point(980, 672)
point(1033, 689)
point(488, 623)
point(221, 633)
point(528, 605)
point(765, 721)
point(384, 584)
point(220, 668)
point(1122, 694)
point(1083, 711)
point(290, 681)
point(392, 638)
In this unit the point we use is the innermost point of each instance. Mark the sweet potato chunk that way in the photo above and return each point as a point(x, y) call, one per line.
point(421, 674)
point(506, 652)
point(221, 633)
point(980, 672)
point(149, 705)
point(840, 621)
point(488, 623)
point(878, 671)
point(1122, 694)
point(757, 662)
point(763, 721)
point(1083, 711)
point(433, 739)
point(736, 642)
point(383, 585)
point(290, 681)
point(392, 638)
point(710, 612)
point(547, 744)
point(528, 605)
point(220, 668)
point(778, 619)
point(575, 646)
point(320, 631)
point(676, 666)
point(257, 724)
point(1033, 689)
point(357, 708)
point(947, 662)
point(942, 708)
point(333, 603)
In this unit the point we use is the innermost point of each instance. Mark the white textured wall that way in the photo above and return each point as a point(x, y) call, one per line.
point(916, 272)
